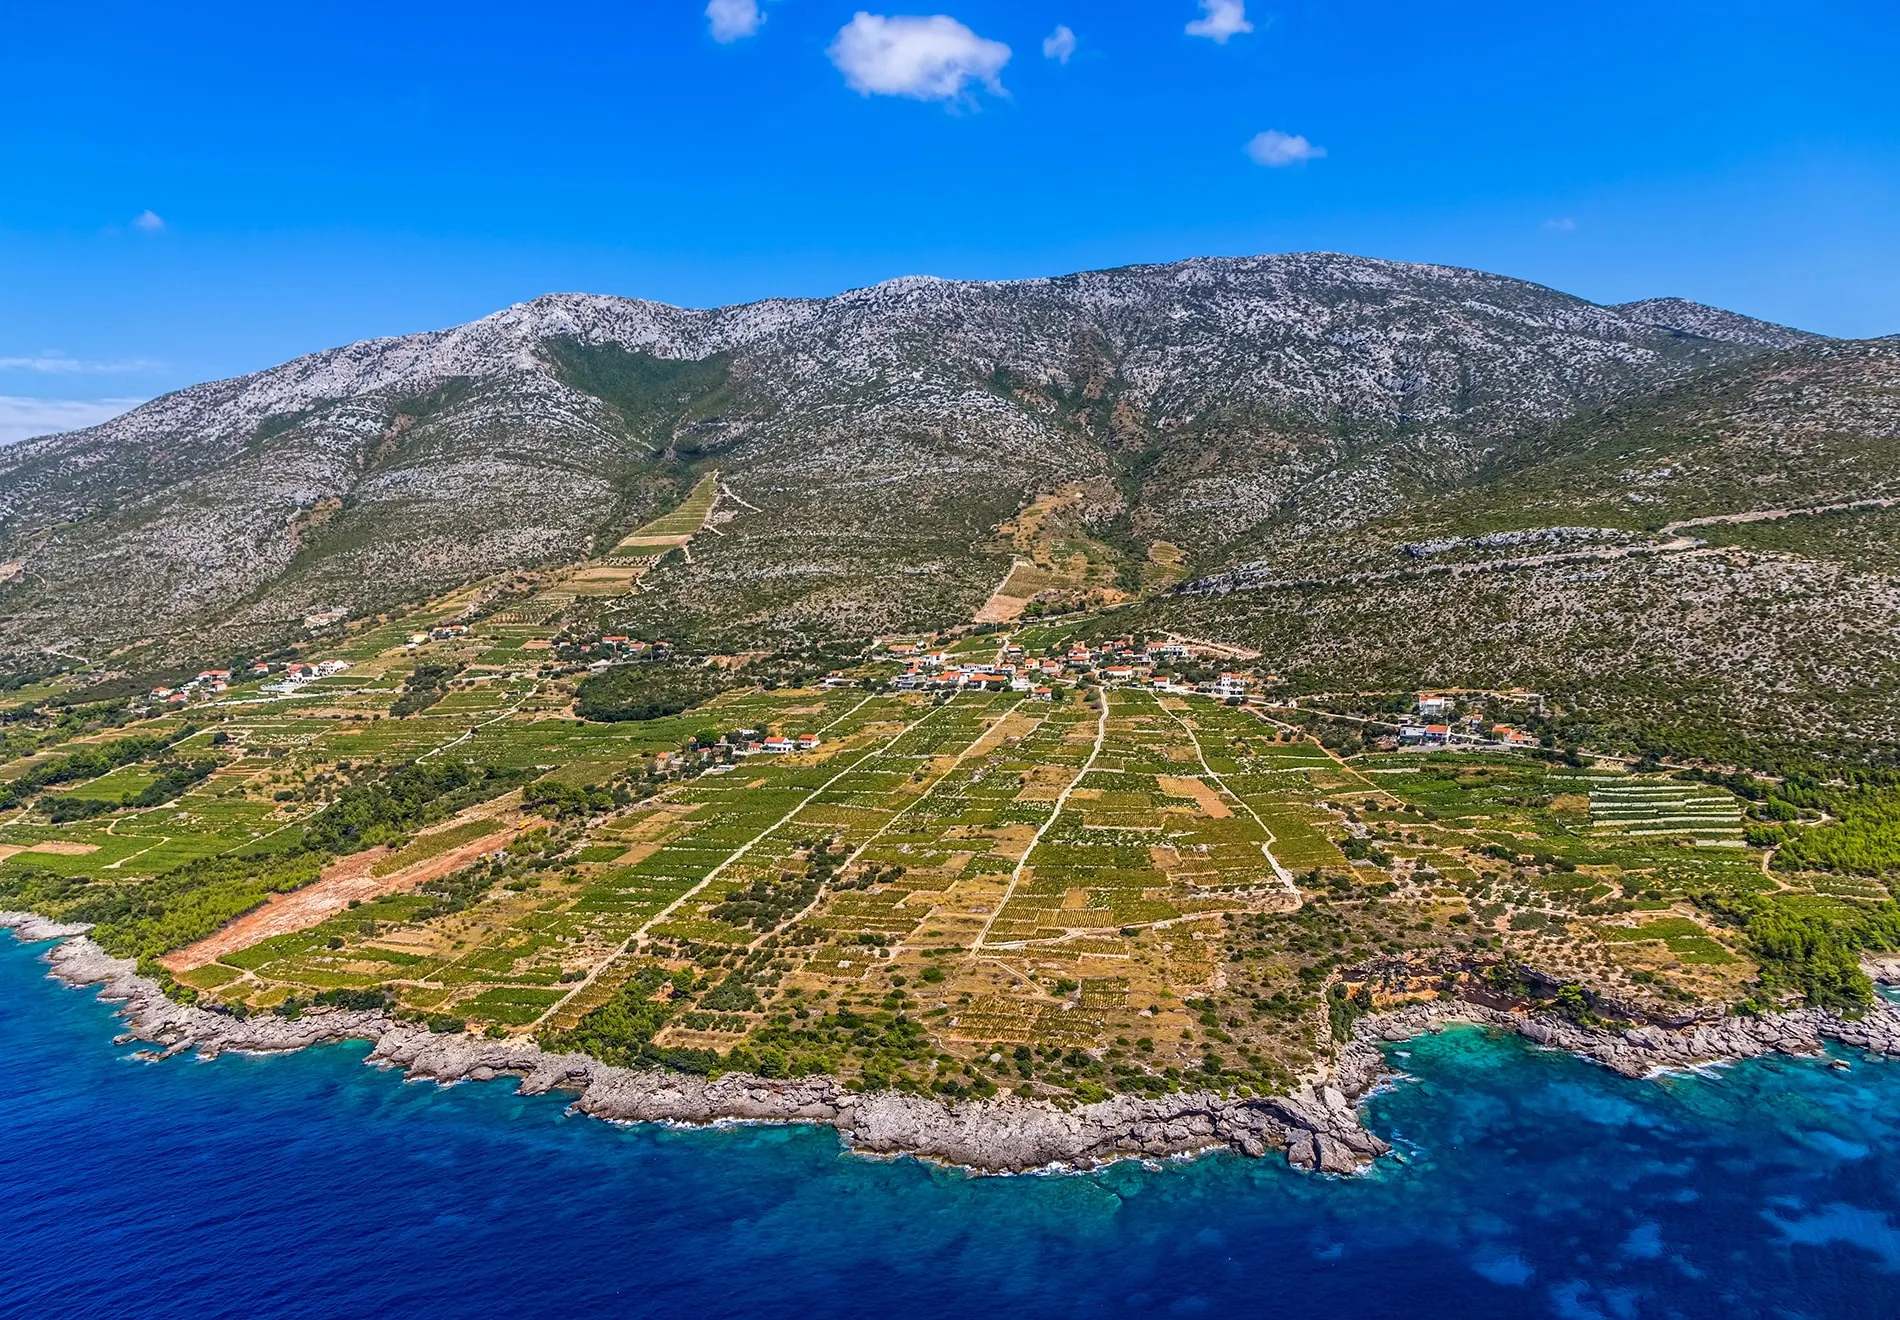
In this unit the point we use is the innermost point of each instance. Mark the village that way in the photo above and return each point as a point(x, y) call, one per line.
point(216, 682)
point(1119, 663)
point(1436, 721)
point(1439, 723)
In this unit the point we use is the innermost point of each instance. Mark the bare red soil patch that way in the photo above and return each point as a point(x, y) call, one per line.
point(347, 878)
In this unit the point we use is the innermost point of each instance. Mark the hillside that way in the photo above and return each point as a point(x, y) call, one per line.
point(1710, 562)
point(882, 435)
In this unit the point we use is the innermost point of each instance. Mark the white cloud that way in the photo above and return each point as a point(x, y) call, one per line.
point(1060, 44)
point(148, 221)
point(927, 59)
point(22, 419)
point(732, 19)
point(1563, 224)
point(1224, 19)
point(53, 363)
point(1275, 149)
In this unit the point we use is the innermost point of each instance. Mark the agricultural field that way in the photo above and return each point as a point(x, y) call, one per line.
point(1055, 565)
point(1591, 877)
point(1104, 889)
point(678, 526)
point(1708, 817)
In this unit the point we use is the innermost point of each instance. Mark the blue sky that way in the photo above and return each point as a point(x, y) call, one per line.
point(203, 189)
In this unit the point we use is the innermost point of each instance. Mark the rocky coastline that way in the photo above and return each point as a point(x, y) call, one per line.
point(1317, 1127)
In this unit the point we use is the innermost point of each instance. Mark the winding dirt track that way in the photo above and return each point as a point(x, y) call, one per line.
point(1775, 515)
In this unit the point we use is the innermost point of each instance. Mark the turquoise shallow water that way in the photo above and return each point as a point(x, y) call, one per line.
point(312, 1186)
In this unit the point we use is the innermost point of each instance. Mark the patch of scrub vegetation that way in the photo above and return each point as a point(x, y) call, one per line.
point(649, 690)
point(1866, 537)
point(621, 1031)
point(87, 761)
point(384, 808)
point(1863, 839)
point(166, 912)
point(551, 797)
point(1809, 949)
point(656, 396)
point(425, 686)
point(170, 781)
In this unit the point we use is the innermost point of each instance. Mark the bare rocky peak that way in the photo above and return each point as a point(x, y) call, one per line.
point(1317, 330)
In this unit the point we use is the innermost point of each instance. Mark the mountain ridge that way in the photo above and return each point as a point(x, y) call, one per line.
point(1217, 411)
point(670, 331)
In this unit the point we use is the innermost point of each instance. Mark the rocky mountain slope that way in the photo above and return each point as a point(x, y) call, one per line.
point(1713, 562)
point(1703, 322)
point(877, 437)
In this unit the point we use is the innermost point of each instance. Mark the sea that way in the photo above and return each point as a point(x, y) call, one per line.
point(309, 1185)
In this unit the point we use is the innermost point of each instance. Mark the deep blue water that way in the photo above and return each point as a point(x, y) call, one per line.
point(312, 1186)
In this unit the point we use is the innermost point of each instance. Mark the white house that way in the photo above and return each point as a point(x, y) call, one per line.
point(1231, 685)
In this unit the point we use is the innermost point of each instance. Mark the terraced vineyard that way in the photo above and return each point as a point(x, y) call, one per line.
point(1650, 808)
point(679, 525)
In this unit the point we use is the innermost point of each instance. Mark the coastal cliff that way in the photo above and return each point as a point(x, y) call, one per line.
point(1317, 1127)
